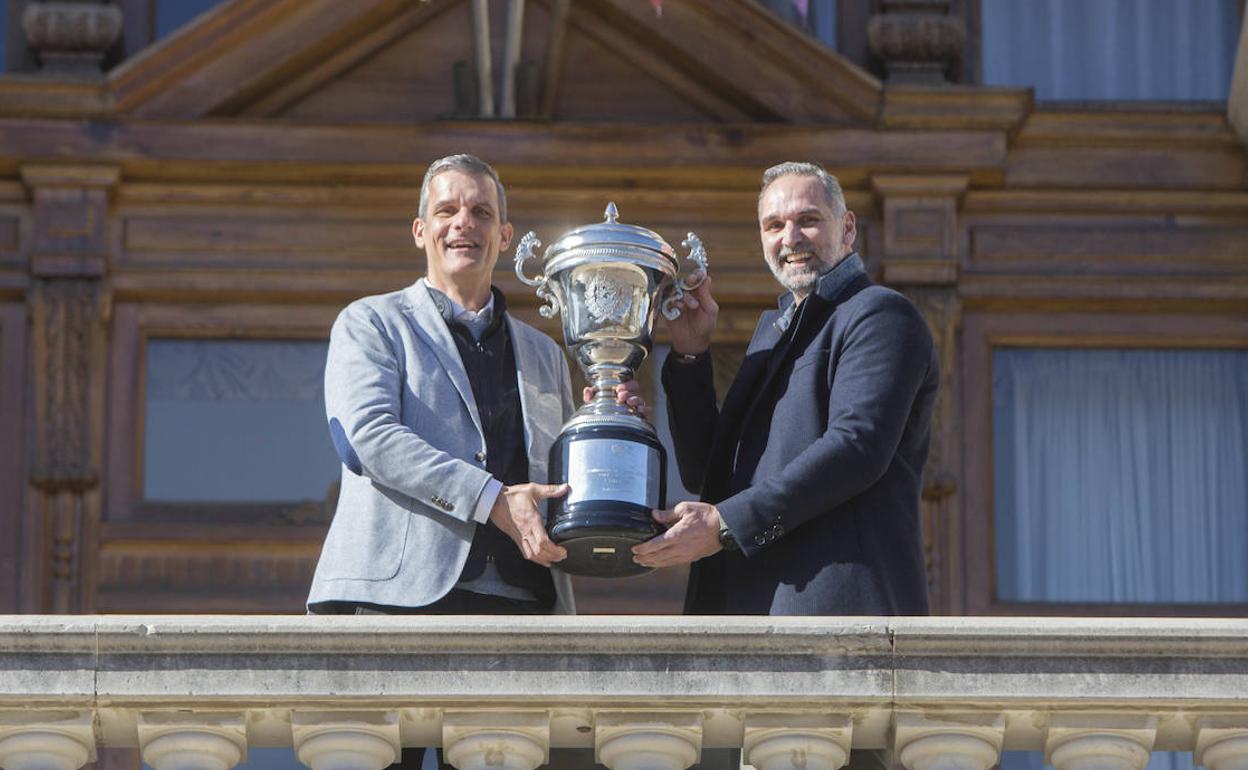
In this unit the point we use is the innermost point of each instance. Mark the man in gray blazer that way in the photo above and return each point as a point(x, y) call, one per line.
point(443, 408)
point(810, 472)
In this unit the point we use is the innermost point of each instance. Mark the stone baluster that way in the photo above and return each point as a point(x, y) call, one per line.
point(1099, 741)
point(948, 741)
point(1222, 743)
point(180, 741)
point(496, 741)
point(364, 740)
point(797, 741)
point(54, 741)
point(647, 741)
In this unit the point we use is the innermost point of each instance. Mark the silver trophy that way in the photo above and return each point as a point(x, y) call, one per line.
point(608, 280)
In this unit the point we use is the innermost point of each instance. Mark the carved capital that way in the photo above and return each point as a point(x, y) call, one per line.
point(917, 40)
point(71, 38)
point(920, 226)
point(70, 218)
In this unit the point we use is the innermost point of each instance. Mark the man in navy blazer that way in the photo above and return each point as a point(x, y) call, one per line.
point(810, 473)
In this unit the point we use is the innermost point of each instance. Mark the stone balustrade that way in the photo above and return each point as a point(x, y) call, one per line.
point(647, 693)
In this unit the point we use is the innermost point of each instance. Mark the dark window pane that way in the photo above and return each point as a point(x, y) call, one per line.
point(1119, 475)
point(1112, 49)
point(236, 421)
point(172, 14)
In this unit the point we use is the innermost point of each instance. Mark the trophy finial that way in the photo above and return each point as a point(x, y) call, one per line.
point(612, 213)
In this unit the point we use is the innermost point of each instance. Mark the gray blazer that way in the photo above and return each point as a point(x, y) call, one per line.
point(403, 419)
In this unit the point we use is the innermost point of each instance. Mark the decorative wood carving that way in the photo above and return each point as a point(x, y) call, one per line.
point(71, 37)
point(917, 40)
point(68, 308)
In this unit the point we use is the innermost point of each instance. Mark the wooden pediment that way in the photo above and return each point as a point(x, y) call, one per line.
point(398, 61)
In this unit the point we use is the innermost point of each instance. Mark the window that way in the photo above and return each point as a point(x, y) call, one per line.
point(1113, 49)
point(236, 421)
point(1104, 463)
point(1120, 475)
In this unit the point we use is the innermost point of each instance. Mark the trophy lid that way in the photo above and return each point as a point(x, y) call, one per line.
point(611, 239)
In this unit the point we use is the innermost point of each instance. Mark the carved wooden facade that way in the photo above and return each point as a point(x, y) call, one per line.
point(250, 175)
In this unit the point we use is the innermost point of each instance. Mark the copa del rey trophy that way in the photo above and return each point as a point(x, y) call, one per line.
point(608, 280)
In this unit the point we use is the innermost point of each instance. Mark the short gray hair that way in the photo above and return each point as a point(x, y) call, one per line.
point(469, 164)
point(831, 186)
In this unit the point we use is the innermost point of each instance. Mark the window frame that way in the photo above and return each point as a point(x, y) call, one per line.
point(985, 331)
point(127, 513)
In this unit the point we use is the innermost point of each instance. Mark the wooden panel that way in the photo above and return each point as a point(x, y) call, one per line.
point(600, 86)
point(585, 155)
point(1108, 167)
point(407, 81)
point(1108, 248)
point(198, 576)
point(13, 568)
point(243, 240)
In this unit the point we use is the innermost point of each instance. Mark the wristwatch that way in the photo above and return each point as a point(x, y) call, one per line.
point(726, 540)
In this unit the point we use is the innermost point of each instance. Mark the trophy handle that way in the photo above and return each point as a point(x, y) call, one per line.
point(691, 281)
point(524, 252)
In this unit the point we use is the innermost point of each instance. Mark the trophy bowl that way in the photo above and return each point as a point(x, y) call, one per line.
point(608, 281)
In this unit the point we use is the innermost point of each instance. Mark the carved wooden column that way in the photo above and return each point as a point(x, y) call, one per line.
point(68, 304)
point(921, 259)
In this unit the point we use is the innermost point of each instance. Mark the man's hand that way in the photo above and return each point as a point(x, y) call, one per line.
point(693, 534)
point(515, 512)
point(691, 332)
point(626, 393)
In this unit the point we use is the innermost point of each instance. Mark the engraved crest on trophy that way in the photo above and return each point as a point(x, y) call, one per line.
point(608, 281)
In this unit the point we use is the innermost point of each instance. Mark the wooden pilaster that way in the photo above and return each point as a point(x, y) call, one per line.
point(920, 259)
point(68, 307)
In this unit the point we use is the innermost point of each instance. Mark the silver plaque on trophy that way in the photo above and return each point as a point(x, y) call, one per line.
point(608, 281)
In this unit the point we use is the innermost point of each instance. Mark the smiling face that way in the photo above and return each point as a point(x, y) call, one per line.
point(462, 234)
point(803, 236)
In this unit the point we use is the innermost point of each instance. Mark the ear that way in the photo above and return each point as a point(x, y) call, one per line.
point(506, 232)
point(850, 233)
point(418, 233)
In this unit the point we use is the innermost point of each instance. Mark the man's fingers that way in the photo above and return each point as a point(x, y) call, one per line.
point(550, 490)
point(653, 545)
point(666, 517)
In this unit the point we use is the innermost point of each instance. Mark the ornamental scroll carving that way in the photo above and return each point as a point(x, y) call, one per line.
point(67, 326)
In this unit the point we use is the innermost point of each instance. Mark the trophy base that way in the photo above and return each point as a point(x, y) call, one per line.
point(600, 536)
point(617, 477)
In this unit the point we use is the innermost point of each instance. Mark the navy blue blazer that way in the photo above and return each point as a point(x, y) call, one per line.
point(815, 460)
